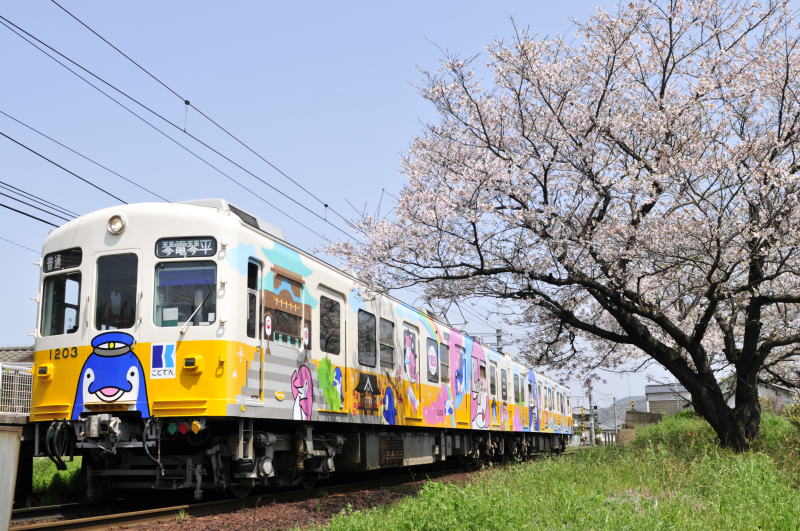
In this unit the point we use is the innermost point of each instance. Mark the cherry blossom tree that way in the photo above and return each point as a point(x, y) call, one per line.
point(631, 191)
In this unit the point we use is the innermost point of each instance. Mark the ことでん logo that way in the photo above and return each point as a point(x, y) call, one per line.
point(162, 363)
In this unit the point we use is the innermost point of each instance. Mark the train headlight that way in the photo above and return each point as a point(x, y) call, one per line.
point(116, 224)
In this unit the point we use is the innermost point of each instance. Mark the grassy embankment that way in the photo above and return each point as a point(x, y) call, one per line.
point(673, 476)
point(51, 486)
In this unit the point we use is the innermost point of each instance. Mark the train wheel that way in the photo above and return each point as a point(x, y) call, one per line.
point(309, 481)
point(239, 491)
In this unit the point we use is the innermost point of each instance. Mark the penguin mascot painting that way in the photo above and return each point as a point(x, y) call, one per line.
point(112, 374)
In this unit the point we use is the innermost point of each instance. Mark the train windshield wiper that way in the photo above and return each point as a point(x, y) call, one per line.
point(189, 320)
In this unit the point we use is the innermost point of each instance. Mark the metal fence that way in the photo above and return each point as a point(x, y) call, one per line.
point(15, 390)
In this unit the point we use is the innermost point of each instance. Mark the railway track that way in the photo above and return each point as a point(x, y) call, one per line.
point(101, 515)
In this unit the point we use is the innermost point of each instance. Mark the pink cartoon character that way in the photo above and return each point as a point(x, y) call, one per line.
point(411, 357)
point(303, 393)
point(479, 402)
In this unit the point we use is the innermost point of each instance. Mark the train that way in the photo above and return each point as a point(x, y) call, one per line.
point(190, 346)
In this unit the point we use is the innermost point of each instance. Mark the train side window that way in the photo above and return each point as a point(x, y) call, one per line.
point(387, 344)
point(503, 385)
point(493, 379)
point(330, 315)
point(367, 346)
point(516, 388)
point(482, 373)
point(444, 362)
point(61, 304)
point(433, 360)
point(185, 291)
point(115, 300)
point(253, 309)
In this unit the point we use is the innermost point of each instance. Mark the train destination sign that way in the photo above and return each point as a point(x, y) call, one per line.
point(195, 246)
point(65, 259)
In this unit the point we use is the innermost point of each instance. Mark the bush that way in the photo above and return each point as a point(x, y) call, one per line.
point(51, 486)
point(792, 414)
point(684, 434)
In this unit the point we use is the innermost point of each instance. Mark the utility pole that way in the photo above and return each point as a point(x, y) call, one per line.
point(499, 340)
point(616, 429)
point(591, 417)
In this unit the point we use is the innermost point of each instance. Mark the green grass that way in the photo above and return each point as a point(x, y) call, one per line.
point(673, 476)
point(51, 486)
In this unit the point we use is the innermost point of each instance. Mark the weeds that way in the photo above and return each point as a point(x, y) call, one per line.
point(51, 486)
point(673, 476)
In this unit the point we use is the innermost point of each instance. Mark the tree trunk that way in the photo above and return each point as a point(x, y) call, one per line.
point(737, 427)
point(742, 427)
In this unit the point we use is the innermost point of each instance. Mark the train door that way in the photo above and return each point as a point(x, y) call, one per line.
point(533, 407)
point(479, 393)
point(462, 384)
point(411, 364)
point(256, 325)
point(520, 398)
point(494, 401)
point(329, 354)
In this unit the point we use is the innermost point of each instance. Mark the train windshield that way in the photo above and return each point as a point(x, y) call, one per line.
point(60, 308)
point(185, 291)
point(116, 291)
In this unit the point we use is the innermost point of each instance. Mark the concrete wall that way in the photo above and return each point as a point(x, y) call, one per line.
point(10, 437)
point(625, 436)
point(640, 418)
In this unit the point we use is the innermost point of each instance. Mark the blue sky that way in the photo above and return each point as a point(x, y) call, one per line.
point(326, 91)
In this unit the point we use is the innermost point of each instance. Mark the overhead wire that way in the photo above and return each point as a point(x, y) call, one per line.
point(200, 141)
point(40, 209)
point(37, 199)
point(16, 29)
point(28, 215)
point(156, 128)
point(76, 152)
point(188, 103)
point(19, 245)
point(54, 163)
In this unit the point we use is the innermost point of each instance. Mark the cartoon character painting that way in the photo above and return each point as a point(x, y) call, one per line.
point(337, 383)
point(303, 393)
point(329, 379)
point(438, 411)
point(389, 411)
point(112, 374)
point(479, 399)
point(534, 401)
point(410, 357)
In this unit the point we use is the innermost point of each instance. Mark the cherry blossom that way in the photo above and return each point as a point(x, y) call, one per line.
point(632, 191)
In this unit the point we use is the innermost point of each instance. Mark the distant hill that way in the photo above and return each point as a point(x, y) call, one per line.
point(605, 415)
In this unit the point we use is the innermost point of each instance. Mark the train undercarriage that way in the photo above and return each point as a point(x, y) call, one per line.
point(237, 454)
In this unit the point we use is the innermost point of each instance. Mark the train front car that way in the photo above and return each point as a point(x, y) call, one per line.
point(134, 348)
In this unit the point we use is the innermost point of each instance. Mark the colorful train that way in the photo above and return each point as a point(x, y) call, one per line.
point(188, 346)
